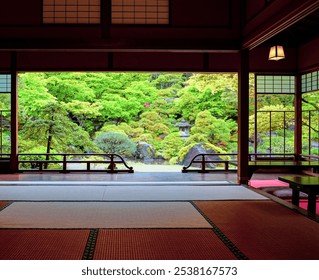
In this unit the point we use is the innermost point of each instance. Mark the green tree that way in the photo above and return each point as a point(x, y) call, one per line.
point(170, 81)
point(53, 130)
point(33, 95)
point(69, 86)
point(216, 82)
point(85, 114)
point(115, 143)
point(217, 131)
point(186, 104)
point(279, 120)
point(152, 123)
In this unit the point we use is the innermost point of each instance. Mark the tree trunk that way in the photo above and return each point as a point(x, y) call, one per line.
point(47, 157)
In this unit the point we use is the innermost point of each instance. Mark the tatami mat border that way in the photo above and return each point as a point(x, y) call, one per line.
point(88, 253)
point(90, 245)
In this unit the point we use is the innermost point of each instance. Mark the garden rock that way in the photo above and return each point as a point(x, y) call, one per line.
point(145, 152)
point(200, 149)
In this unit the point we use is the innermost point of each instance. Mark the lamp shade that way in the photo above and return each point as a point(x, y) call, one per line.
point(276, 53)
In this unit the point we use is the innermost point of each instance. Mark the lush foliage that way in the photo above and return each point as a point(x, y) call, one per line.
point(112, 112)
point(89, 112)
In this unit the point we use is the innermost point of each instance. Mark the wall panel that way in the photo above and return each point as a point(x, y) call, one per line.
point(158, 61)
point(224, 62)
point(14, 13)
point(210, 13)
point(308, 56)
point(62, 61)
point(5, 61)
point(259, 61)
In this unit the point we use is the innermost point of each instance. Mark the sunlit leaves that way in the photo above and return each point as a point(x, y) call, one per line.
point(143, 106)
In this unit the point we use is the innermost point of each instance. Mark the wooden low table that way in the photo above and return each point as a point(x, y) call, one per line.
point(293, 166)
point(306, 184)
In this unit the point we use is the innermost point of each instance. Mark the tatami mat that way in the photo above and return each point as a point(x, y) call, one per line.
point(113, 183)
point(160, 244)
point(132, 192)
point(42, 244)
point(47, 192)
point(3, 204)
point(265, 230)
point(102, 215)
point(182, 192)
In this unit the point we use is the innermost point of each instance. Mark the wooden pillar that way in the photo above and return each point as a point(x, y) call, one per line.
point(298, 118)
point(106, 16)
point(14, 114)
point(243, 117)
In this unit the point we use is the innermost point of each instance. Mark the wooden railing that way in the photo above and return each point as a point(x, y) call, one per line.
point(61, 162)
point(309, 157)
point(114, 163)
point(277, 156)
point(4, 163)
point(5, 156)
point(205, 159)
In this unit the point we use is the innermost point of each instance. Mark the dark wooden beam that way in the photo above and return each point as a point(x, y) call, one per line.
point(14, 114)
point(298, 117)
point(243, 117)
point(121, 45)
point(274, 21)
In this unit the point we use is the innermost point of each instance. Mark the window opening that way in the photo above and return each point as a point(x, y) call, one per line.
point(274, 115)
point(71, 11)
point(140, 12)
point(310, 82)
point(5, 114)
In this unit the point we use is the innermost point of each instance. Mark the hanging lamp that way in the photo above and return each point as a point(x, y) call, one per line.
point(276, 53)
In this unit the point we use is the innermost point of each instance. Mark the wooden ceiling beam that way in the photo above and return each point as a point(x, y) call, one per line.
point(272, 21)
point(202, 46)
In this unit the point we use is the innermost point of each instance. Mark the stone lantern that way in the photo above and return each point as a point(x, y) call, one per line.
point(184, 128)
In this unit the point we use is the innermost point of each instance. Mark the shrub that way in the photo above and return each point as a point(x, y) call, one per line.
point(35, 155)
point(173, 161)
point(145, 137)
point(171, 145)
point(117, 143)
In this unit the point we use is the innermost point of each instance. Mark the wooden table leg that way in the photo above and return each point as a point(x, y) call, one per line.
point(251, 171)
point(312, 203)
point(295, 197)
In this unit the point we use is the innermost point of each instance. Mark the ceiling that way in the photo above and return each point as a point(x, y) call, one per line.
point(299, 33)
